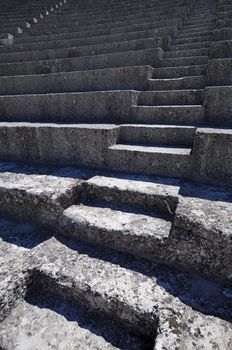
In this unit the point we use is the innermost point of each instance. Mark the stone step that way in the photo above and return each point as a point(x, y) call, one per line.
point(147, 193)
point(126, 10)
point(183, 61)
point(57, 144)
point(115, 287)
point(74, 152)
point(94, 33)
point(84, 107)
point(80, 51)
point(110, 60)
point(199, 45)
point(195, 25)
point(191, 82)
point(178, 72)
point(187, 53)
point(204, 27)
point(132, 232)
point(190, 40)
point(87, 30)
point(137, 23)
point(168, 114)
point(115, 19)
point(150, 160)
point(92, 80)
point(198, 21)
point(41, 314)
point(175, 97)
point(157, 134)
point(30, 39)
point(37, 197)
point(194, 34)
point(54, 43)
point(104, 291)
point(204, 15)
point(186, 30)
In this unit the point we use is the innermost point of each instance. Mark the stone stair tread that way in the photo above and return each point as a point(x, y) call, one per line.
point(178, 72)
point(178, 61)
point(100, 126)
point(25, 317)
point(178, 78)
point(190, 46)
point(41, 314)
point(80, 51)
point(174, 114)
point(36, 196)
point(49, 186)
point(106, 280)
point(145, 185)
point(153, 149)
point(186, 53)
point(159, 126)
point(114, 288)
point(172, 96)
point(92, 62)
point(173, 106)
point(113, 220)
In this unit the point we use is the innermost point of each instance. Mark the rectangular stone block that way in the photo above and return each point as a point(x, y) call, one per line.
point(218, 105)
point(219, 72)
point(222, 34)
point(213, 156)
point(59, 144)
point(221, 49)
point(78, 107)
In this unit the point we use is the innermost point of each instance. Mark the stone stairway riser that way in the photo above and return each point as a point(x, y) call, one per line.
point(114, 60)
point(54, 44)
point(80, 51)
point(93, 80)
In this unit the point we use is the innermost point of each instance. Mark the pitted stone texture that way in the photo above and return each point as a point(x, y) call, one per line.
point(13, 277)
point(212, 155)
point(203, 221)
point(208, 219)
point(143, 191)
point(47, 322)
point(198, 332)
point(127, 295)
point(38, 197)
point(16, 240)
point(134, 232)
point(218, 104)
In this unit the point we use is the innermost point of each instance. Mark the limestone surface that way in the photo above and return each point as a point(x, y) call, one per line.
point(115, 175)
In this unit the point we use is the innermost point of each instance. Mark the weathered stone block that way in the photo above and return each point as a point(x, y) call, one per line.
point(218, 105)
point(219, 72)
point(213, 156)
point(221, 49)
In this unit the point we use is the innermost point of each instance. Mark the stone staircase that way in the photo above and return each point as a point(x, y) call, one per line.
point(115, 175)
